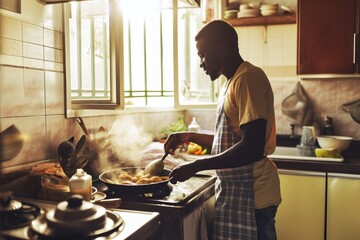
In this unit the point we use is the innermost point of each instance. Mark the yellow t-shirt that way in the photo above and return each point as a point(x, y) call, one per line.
point(250, 97)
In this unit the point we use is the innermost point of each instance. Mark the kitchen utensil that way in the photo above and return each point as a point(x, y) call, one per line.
point(99, 198)
point(111, 180)
point(297, 107)
point(11, 143)
point(80, 144)
point(76, 219)
point(71, 162)
point(353, 108)
point(83, 127)
point(108, 203)
point(71, 139)
point(155, 167)
point(338, 142)
point(308, 137)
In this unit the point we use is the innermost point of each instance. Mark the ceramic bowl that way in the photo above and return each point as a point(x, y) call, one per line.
point(338, 142)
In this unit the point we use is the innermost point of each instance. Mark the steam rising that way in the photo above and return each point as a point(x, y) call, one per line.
point(121, 146)
point(128, 140)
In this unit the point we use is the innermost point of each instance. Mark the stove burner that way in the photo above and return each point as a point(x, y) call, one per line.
point(20, 217)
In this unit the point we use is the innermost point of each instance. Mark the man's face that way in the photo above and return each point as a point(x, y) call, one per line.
point(209, 60)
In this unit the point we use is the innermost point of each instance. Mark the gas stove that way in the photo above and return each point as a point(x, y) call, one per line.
point(131, 224)
point(178, 194)
point(25, 213)
point(186, 208)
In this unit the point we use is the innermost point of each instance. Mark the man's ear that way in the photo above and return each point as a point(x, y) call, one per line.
point(221, 48)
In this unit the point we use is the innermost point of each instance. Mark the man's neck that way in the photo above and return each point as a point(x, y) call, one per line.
point(232, 66)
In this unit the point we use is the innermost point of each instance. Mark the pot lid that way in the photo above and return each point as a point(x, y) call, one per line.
point(48, 226)
point(76, 216)
point(7, 203)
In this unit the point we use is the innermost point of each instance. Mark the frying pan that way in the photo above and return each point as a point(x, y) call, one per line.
point(111, 177)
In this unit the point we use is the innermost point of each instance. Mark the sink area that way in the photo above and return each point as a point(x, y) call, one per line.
point(293, 153)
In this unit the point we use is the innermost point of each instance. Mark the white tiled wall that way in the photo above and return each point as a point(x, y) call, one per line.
point(32, 82)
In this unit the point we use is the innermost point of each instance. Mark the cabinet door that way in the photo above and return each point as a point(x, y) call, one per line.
point(301, 215)
point(326, 36)
point(343, 207)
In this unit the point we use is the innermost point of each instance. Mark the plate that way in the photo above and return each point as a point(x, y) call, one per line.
point(286, 9)
point(98, 196)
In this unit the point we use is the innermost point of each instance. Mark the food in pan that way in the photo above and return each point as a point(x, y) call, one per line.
point(140, 178)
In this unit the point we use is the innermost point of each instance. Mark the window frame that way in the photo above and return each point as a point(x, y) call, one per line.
point(116, 105)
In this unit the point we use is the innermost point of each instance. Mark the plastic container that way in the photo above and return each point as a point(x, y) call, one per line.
point(81, 183)
point(194, 126)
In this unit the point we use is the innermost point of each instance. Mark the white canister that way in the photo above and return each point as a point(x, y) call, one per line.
point(194, 126)
point(81, 183)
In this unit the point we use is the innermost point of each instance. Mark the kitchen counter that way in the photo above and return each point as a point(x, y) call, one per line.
point(291, 158)
point(350, 166)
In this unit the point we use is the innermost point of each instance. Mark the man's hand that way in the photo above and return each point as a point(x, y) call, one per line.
point(182, 172)
point(174, 140)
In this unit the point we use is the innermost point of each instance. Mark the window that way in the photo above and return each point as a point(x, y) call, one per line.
point(124, 54)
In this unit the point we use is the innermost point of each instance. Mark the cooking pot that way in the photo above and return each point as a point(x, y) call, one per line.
point(76, 217)
point(111, 180)
point(354, 109)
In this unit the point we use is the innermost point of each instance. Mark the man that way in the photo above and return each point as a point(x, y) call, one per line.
point(248, 188)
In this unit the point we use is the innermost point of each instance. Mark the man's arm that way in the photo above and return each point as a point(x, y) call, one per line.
point(249, 149)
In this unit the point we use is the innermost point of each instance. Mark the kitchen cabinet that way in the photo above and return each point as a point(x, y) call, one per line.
point(301, 214)
point(328, 37)
point(199, 223)
point(343, 201)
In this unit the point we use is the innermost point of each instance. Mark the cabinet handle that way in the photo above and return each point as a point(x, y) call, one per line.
point(354, 49)
point(301, 173)
point(356, 55)
point(344, 175)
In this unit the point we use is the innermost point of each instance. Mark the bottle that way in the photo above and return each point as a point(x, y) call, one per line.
point(328, 127)
point(194, 126)
point(81, 183)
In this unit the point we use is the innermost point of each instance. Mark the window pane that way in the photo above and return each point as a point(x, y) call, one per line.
point(89, 50)
point(148, 55)
point(194, 85)
point(168, 50)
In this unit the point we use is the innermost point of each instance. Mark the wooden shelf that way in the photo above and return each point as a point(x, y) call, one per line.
point(262, 20)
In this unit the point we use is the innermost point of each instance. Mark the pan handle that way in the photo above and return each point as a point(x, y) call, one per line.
point(109, 203)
